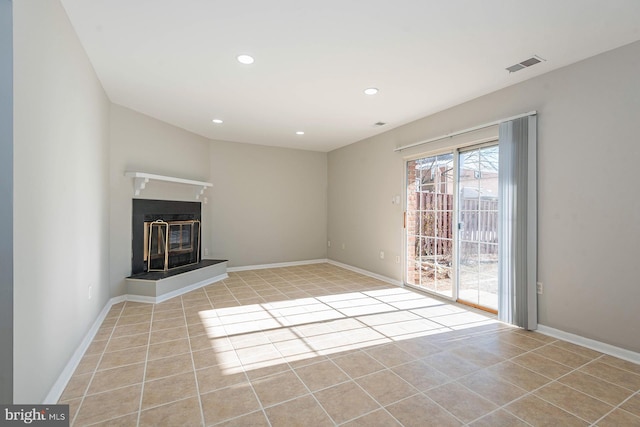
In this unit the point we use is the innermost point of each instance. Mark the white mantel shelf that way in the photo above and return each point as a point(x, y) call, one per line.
point(140, 180)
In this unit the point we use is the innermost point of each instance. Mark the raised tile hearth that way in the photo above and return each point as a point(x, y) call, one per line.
point(157, 286)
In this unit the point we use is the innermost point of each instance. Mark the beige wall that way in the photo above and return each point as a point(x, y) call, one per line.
point(588, 228)
point(268, 204)
point(262, 201)
point(140, 143)
point(61, 202)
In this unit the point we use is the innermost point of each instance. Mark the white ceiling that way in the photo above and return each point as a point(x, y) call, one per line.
point(176, 60)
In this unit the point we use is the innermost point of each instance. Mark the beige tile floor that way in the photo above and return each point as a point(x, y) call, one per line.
point(320, 346)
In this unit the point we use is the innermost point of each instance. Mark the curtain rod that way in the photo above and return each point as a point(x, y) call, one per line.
point(462, 132)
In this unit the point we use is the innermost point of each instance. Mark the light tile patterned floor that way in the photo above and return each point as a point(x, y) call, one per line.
point(319, 345)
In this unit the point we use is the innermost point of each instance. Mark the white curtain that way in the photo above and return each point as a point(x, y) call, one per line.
point(517, 233)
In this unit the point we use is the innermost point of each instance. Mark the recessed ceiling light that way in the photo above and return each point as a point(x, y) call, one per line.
point(371, 91)
point(245, 59)
point(299, 132)
point(216, 121)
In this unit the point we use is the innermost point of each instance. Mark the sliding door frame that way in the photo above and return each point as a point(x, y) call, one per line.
point(459, 151)
point(455, 150)
point(454, 255)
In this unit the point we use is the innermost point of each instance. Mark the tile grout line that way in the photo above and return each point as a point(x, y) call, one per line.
point(552, 380)
point(225, 421)
point(503, 406)
point(303, 338)
point(146, 360)
point(351, 379)
point(604, 356)
point(614, 407)
point(297, 333)
point(95, 370)
point(455, 381)
point(193, 364)
point(502, 409)
point(556, 380)
point(574, 370)
point(531, 392)
point(235, 351)
point(419, 392)
point(619, 407)
point(101, 358)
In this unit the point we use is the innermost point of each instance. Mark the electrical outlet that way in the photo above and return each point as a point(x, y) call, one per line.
point(397, 259)
point(90, 289)
point(344, 246)
point(381, 254)
point(328, 243)
point(206, 251)
point(539, 288)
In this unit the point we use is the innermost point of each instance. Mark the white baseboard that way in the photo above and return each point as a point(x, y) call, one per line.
point(276, 265)
point(366, 273)
point(609, 349)
point(69, 369)
point(61, 383)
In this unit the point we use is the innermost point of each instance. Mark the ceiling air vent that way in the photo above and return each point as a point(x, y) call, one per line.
point(524, 64)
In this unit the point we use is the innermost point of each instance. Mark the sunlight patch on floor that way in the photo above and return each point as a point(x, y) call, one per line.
point(257, 336)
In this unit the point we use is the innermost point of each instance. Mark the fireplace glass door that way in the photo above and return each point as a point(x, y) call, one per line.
point(171, 244)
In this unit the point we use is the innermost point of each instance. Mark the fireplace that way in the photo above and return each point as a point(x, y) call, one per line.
point(165, 235)
point(171, 244)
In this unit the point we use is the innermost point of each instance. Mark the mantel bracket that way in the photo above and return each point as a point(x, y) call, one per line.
point(139, 184)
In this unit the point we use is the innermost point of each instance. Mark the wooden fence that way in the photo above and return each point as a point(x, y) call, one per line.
point(434, 224)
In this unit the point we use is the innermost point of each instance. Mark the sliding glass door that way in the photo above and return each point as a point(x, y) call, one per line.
point(478, 227)
point(451, 225)
point(429, 223)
